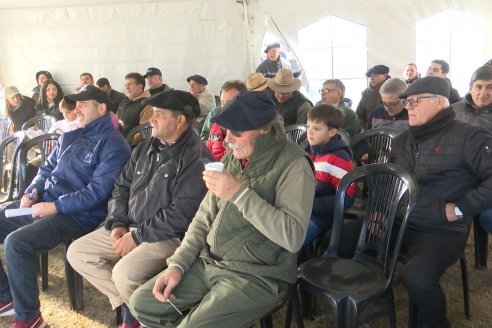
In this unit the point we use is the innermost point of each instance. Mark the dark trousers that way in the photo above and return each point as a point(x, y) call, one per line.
point(429, 255)
point(24, 239)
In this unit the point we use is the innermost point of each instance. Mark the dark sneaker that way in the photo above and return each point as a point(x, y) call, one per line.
point(30, 323)
point(6, 309)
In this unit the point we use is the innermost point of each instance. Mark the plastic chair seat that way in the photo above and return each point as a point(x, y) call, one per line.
point(330, 274)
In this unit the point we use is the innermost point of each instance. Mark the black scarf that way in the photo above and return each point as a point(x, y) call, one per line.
point(421, 133)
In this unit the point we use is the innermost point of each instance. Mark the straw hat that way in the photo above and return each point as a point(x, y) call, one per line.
point(11, 91)
point(284, 81)
point(256, 82)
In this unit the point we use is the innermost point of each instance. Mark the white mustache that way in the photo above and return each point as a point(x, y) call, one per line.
point(235, 146)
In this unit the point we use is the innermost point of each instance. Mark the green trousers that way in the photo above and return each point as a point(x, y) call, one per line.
point(219, 297)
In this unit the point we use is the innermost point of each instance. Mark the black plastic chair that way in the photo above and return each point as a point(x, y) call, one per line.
point(349, 284)
point(481, 243)
point(9, 151)
point(295, 132)
point(376, 143)
point(4, 126)
point(41, 122)
point(139, 133)
point(43, 145)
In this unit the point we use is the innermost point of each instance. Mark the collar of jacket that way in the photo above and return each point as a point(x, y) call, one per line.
point(99, 124)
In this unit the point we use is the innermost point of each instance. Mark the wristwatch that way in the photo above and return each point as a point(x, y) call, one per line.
point(458, 212)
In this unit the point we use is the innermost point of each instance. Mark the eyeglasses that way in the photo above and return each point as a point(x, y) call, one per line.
point(391, 104)
point(414, 102)
point(326, 91)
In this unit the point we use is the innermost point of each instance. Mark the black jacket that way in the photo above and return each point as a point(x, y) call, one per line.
point(452, 165)
point(160, 188)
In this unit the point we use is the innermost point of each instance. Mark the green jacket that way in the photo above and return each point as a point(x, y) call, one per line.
point(260, 231)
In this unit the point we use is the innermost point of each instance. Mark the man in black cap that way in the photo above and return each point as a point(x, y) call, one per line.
point(68, 198)
point(154, 80)
point(198, 88)
point(452, 162)
point(370, 96)
point(154, 199)
point(270, 66)
point(239, 253)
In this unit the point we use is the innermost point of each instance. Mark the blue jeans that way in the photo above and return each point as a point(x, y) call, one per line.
point(24, 239)
point(486, 220)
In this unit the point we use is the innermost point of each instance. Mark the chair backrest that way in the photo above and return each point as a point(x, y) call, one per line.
point(41, 122)
point(344, 135)
point(4, 126)
point(392, 193)
point(376, 143)
point(144, 131)
point(294, 132)
point(9, 151)
point(42, 146)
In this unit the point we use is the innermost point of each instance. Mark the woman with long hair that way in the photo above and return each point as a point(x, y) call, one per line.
point(49, 98)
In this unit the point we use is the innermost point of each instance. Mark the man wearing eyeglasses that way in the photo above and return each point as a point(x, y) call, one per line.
point(333, 93)
point(391, 113)
point(452, 162)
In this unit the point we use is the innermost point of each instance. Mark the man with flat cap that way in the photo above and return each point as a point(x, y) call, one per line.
point(452, 162)
point(154, 80)
point(370, 96)
point(198, 88)
point(68, 198)
point(154, 199)
point(239, 253)
point(270, 66)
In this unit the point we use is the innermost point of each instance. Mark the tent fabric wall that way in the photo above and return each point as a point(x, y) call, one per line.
point(208, 37)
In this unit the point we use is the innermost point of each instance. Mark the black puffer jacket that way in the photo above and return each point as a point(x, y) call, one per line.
point(160, 188)
point(452, 164)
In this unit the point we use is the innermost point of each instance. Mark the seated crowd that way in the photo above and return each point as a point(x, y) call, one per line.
point(158, 233)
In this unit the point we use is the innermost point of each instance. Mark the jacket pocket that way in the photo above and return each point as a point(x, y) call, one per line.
point(256, 255)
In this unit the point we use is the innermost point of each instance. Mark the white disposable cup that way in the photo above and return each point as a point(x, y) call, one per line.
point(215, 166)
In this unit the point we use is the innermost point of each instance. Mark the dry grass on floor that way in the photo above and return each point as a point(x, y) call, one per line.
point(98, 314)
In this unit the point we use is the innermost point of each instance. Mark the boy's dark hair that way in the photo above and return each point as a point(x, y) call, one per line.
point(327, 114)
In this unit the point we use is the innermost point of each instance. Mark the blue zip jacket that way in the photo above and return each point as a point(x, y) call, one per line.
point(78, 175)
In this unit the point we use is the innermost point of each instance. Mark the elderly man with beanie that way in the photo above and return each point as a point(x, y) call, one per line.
point(270, 66)
point(452, 162)
point(291, 104)
point(198, 88)
point(370, 96)
point(67, 198)
point(239, 253)
point(154, 199)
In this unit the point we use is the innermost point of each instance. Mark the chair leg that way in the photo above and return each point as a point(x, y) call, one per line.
point(44, 270)
point(391, 309)
point(119, 315)
point(466, 289)
point(74, 284)
point(481, 244)
point(294, 306)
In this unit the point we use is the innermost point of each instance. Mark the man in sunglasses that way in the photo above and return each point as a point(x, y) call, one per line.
point(452, 162)
point(391, 113)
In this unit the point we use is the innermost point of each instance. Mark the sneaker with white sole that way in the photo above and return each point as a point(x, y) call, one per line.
point(6, 309)
point(37, 322)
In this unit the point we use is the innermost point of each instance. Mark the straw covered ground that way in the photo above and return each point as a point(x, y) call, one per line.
point(98, 314)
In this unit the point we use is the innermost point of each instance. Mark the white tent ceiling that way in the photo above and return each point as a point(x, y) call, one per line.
point(208, 37)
